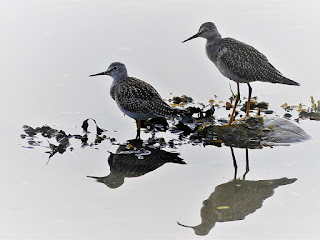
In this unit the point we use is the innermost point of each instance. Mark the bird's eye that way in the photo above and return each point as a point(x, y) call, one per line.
point(115, 68)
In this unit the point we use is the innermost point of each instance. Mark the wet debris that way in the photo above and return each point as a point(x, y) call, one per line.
point(47, 132)
point(252, 132)
point(315, 106)
point(254, 105)
point(287, 115)
point(228, 105)
point(196, 124)
point(85, 125)
point(61, 138)
point(241, 134)
point(181, 100)
point(155, 124)
point(312, 112)
point(268, 111)
point(309, 115)
point(61, 148)
point(185, 129)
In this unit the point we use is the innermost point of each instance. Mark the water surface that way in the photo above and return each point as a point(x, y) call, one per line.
point(48, 51)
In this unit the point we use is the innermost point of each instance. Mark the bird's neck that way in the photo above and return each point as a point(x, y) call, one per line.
point(214, 37)
point(117, 80)
point(120, 77)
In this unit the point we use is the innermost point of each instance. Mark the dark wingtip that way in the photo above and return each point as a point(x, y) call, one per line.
point(290, 82)
point(296, 84)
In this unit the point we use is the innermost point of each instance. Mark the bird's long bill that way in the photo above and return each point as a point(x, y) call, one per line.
point(98, 74)
point(194, 36)
point(184, 225)
point(93, 177)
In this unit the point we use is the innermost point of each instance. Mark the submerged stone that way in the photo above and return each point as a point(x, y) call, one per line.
point(283, 131)
point(253, 132)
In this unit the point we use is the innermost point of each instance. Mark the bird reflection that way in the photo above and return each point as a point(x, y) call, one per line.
point(235, 200)
point(134, 160)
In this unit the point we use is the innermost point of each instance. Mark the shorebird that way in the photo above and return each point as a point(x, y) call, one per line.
point(238, 61)
point(135, 98)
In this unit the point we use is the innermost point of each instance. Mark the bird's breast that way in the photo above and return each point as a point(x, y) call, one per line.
point(113, 91)
point(228, 73)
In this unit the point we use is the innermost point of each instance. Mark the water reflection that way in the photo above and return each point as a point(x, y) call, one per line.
point(235, 165)
point(229, 201)
point(133, 159)
point(235, 200)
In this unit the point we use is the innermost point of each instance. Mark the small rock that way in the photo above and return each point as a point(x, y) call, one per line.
point(262, 105)
point(287, 115)
point(228, 105)
point(268, 111)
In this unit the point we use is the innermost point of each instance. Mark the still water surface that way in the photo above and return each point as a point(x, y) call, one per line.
point(49, 48)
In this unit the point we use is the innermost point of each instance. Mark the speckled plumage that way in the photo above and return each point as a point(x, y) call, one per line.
point(139, 100)
point(242, 63)
point(135, 98)
point(238, 61)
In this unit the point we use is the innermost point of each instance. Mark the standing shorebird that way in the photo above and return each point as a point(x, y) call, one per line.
point(238, 62)
point(135, 98)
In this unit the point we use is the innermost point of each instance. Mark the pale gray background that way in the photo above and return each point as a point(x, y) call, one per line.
point(48, 50)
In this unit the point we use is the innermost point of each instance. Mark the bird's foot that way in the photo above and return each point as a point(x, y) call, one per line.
point(235, 121)
point(241, 119)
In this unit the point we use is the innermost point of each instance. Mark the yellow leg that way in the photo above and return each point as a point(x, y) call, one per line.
point(249, 101)
point(235, 104)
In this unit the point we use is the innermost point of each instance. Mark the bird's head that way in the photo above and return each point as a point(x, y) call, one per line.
point(207, 30)
point(116, 70)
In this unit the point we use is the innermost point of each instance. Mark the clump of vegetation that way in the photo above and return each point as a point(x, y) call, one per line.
point(181, 100)
point(315, 106)
point(60, 137)
point(196, 124)
point(313, 112)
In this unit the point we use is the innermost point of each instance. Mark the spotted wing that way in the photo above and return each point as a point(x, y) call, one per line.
point(138, 96)
point(248, 63)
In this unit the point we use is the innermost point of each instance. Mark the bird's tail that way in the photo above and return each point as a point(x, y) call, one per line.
point(288, 81)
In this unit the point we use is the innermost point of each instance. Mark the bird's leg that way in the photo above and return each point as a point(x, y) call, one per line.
point(249, 100)
point(235, 104)
point(248, 107)
point(138, 128)
point(234, 164)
